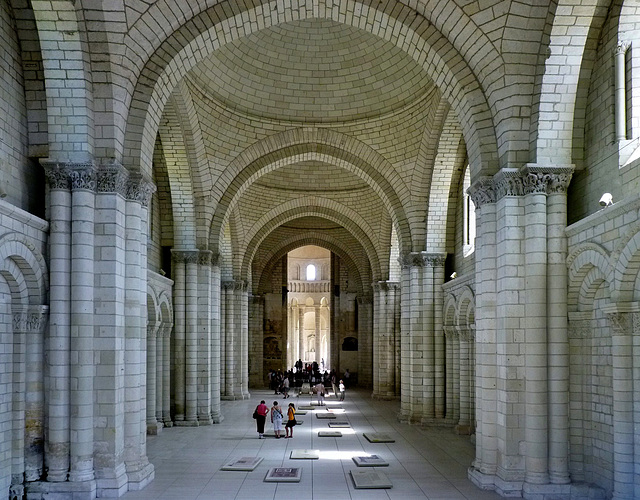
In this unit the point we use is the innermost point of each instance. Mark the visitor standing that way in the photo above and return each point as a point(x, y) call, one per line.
point(342, 389)
point(260, 414)
point(276, 419)
point(291, 420)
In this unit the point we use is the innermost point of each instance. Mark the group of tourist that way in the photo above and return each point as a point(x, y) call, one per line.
point(277, 417)
point(280, 382)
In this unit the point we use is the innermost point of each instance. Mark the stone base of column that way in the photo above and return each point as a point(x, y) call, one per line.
point(436, 422)
point(408, 417)
point(141, 477)
point(42, 490)
point(186, 423)
point(112, 483)
point(246, 395)
point(204, 420)
point(167, 423)
point(547, 491)
point(507, 489)
point(155, 428)
point(217, 417)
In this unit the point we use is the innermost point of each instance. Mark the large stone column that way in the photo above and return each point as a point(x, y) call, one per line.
point(191, 339)
point(83, 200)
point(243, 299)
point(365, 344)
point(203, 347)
point(153, 333)
point(485, 464)
point(178, 347)
point(384, 343)
point(139, 471)
point(464, 421)
point(434, 298)
point(621, 317)
point(57, 367)
point(216, 301)
point(256, 344)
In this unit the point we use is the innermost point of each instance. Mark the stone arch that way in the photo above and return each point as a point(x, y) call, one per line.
point(335, 245)
point(65, 31)
point(178, 164)
point(322, 145)
point(20, 259)
point(180, 50)
point(448, 160)
point(449, 311)
point(466, 307)
point(626, 266)
point(588, 259)
point(557, 127)
point(316, 207)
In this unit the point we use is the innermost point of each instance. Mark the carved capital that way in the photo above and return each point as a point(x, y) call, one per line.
point(139, 189)
point(365, 300)
point(57, 175)
point(112, 178)
point(546, 179)
point(482, 191)
point(434, 259)
point(30, 320)
point(508, 182)
point(204, 257)
point(621, 47)
point(621, 322)
point(412, 259)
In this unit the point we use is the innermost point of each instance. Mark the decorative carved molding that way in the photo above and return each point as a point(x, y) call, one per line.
point(621, 322)
point(621, 47)
point(365, 300)
point(83, 176)
point(580, 329)
point(508, 182)
point(112, 178)
point(412, 259)
point(482, 191)
point(57, 175)
point(434, 259)
point(228, 285)
point(204, 257)
point(32, 320)
point(140, 189)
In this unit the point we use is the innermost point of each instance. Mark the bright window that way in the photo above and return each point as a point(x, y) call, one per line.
point(469, 230)
point(311, 272)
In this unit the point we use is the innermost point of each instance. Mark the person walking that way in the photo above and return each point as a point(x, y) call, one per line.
point(341, 388)
point(320, 393)
point(291, 420)
point(260, 414)
point(285, 386)
point(276, 419)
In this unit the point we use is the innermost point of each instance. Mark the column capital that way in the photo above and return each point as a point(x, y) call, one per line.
point(31, 319)
point(205, 257)
point(364, 299)
point(621, 47)
point(139, 189)
point(622, 317)
point(112, 178)
point(482, 192)
point(70, 175)
point(186, 256)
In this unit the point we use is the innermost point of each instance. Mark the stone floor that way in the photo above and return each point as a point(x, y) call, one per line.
point(423, 463)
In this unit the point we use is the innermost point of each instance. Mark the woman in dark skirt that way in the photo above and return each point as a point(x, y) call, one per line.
point(261, 417)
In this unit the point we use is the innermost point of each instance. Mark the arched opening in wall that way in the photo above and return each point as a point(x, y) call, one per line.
point(309, 286)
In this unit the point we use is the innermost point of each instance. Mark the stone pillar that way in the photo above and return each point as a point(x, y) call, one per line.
point(243, 298)
point(57, 367)
point(365, 334)
point(229, 347)
point(464, 422)
point(620, 90)
point(30, 323)
point(83, 199)
point(455, 389)
point(535, 333)
point(335, 324)
point(580, 330)
point(216, 321)
point(256, 344)
point(434, 298)
point(384, 343)
point(418, 382)
point(378, 302)
point(166, 377)
point(179, 347)
point(152, 382)
point(203, 349)
point(191, 339)
point(138, 469)
point(557, 325)
point(485, 463)
point(449, 396)
point(316, 312)
point(300, 312)
point(621, 317)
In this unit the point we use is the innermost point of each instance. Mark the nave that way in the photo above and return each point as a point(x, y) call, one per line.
point(423, 463)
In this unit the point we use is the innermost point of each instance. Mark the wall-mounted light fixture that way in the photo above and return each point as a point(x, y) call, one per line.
point(606, 200)
point(454, 275)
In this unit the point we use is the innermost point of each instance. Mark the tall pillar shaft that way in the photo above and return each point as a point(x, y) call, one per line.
point(216, 320)
point(178, 341)
point(203, 347)
point(57, 368)
point(365, 335)
point(191, 338)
